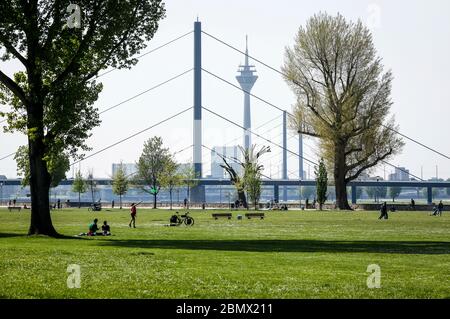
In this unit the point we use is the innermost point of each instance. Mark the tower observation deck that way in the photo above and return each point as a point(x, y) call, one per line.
point(246, 80)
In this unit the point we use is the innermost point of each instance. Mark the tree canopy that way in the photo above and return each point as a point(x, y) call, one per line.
point(153, 167)
point(343, 97)
point(51, 95)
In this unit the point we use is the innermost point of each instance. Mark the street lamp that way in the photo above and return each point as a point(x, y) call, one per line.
point(1, 193)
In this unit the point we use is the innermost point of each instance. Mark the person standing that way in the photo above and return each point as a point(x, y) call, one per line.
point(413, 204)
point(133, 215)
point(384, 212)
point(440, 208)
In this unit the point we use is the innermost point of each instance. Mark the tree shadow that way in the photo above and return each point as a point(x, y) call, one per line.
point(9, 235)
point(326, 246)
point(59, 236)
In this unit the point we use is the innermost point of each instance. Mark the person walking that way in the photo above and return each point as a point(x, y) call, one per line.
point(384, 211)
point(133, 215)
point(413, 204)
point(440, 208)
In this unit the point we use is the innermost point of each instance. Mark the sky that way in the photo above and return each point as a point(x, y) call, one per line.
point(412, 38)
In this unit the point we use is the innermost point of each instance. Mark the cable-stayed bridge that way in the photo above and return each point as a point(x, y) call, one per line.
point(289, 177)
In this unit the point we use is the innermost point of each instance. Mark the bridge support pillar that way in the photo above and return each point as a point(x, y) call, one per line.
point(276, 193)
point(429, 195)
point(354, 194)
point(198, 192)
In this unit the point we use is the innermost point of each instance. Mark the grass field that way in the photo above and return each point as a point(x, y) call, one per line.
point(287, 255)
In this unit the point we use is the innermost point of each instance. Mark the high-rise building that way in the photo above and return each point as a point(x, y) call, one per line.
point(246, 80)
point(228, 152)
point(129, 168)
point(400, 174)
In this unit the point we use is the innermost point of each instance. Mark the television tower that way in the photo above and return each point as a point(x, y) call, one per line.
point(246, 80)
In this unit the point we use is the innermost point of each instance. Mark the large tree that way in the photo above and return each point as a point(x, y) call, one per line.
point(61, 48)
point(343, 97)
point(251, 172)
point(153, 167)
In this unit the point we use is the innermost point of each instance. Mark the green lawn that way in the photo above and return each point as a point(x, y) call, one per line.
point(287, 255)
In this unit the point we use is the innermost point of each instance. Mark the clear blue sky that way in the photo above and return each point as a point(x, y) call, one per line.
point(412, 37)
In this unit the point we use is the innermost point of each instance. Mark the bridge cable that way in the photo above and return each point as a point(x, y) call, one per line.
point(287, 112)
point(284, 75)
point(133, 135)
point(232, 122)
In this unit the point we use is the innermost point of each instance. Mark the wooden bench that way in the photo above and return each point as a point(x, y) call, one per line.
point(11, 208)
point(222, 215)
point(252, 215)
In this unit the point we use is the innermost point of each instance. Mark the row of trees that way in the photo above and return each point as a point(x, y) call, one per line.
point(156, 169)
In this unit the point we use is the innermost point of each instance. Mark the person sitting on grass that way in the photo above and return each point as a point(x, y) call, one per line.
point(93, 228)
point(106, 230)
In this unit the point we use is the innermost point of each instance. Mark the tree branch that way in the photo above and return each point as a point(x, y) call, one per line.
point(13, 87)
point(9, 47)
point(364, 167)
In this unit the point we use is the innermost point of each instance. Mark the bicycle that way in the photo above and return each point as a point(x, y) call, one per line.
point(95, 207)
point(178, 219)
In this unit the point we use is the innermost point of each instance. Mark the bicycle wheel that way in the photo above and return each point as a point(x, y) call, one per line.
point(189, 221)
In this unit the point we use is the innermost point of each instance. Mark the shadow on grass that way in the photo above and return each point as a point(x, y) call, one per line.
point(59, 236)
point(9, 235)
point(387, 247)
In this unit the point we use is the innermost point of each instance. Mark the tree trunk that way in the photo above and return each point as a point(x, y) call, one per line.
point(41, 222)
point(120, 199)
point(79, 200)
point(170, 194)
point(339, 177)
point(242, 198)
point(154, 201)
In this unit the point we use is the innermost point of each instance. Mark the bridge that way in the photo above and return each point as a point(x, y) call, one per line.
point(197, 145)
point(277, 183)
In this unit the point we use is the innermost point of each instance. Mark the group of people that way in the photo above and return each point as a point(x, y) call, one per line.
point(93, 229)
point(437, 210)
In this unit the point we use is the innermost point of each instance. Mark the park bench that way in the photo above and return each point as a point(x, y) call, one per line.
point(222, 215)
point(11, 208)
point(256, 215)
